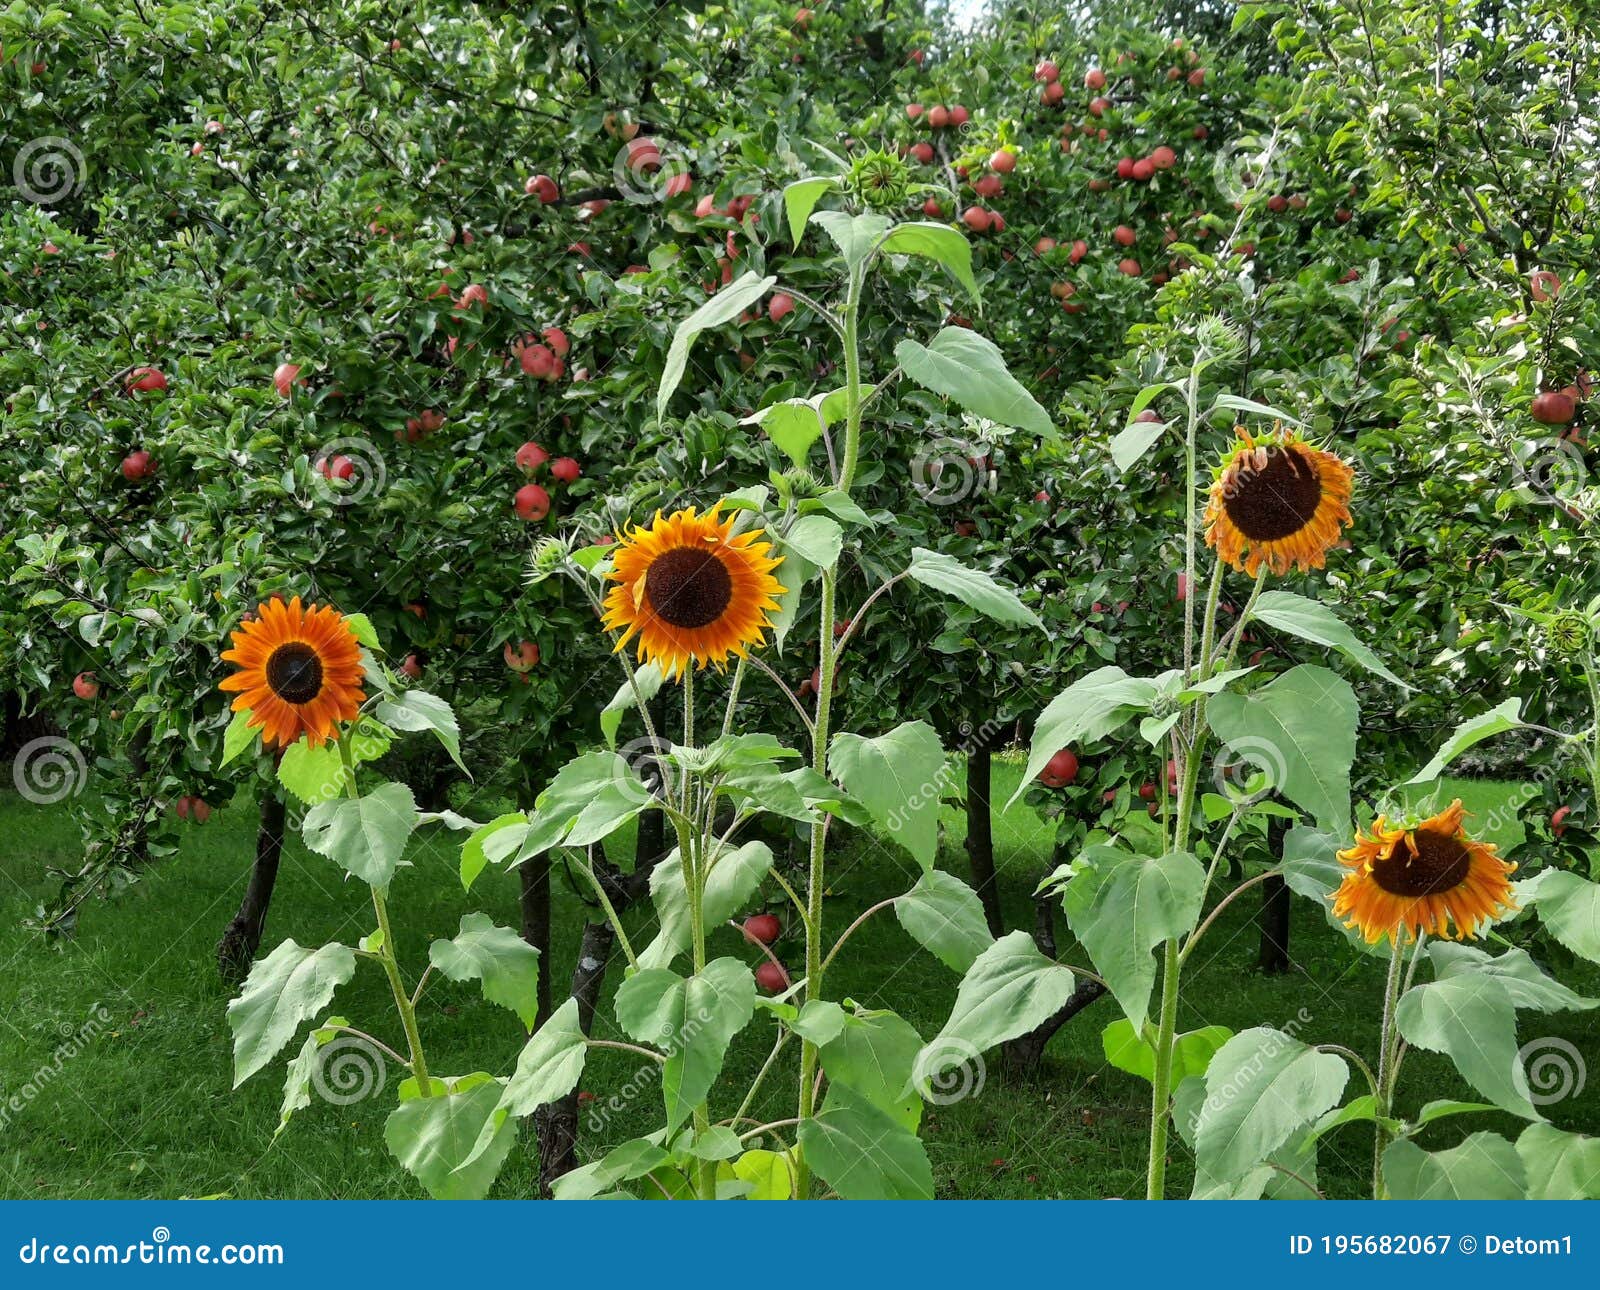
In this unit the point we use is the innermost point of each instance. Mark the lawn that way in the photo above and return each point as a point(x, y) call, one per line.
point(134, 1100)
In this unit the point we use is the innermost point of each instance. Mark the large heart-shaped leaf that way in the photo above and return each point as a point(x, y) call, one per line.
point(1569, 907)
point(365, 835)
point(722, 308)
point(291, 985)
point(1474, 730)
point(863, 1153)
point(1472, 1020)
point(1559, 1166)
point(940, 242)
point(970, 586)
point(733, 880)
point(1313, 621)
point(946, 918)
point(507, 965)
point(1484, 1167)
point(436, 1138)
point(900, 778)
point(1088, 709)
point(964, 366)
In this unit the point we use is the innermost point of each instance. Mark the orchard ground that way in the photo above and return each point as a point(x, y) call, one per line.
point(134, 1100)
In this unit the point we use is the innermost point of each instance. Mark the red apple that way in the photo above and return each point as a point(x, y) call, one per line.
point(411, 667)
point(1002, 161)
point(1554, 408)
point(145, 379)
point(1163, 158)
point(1558, 820)
point(522, 657)
point(1094, 80)
point(1047, 72)
point(565, 469)
point(1130, 267)
point(285, 377)
point(1144, 170)
point(544, 188)
point(678, 185)
point(85, 686)
point(913, 111)
point(763, 927)
point(990, 186)
point(557, 340)
point(1543, 285)
point(536, 360)
point(1125, 168)
point(931, 208)
point(137, 465)
point(531, 503)
point(976, 218)
point(1080, 249)
point(1060, 770)
point(336, 467)
point(780, 306)
point(1097, 107)
point(959, 116)
point(938, 117)
point(531, 456)
point(771, 977)
point(922, 151)
point(1124, 235)
point(1052, 94)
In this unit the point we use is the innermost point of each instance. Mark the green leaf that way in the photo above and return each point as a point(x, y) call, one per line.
point(1009, 990)
point(505, 964)
point(590, 798)
point(768, 1173)
point(436, 1138)
point(940, 242)
point(900, 778)
point(419, 710)
point(722, 308)
point(794, 425)
point(474, 856)
point(1313, 621)
point(1527, 985)
point(1133, 441)
point(1569, 907)
point(1233, 403)
point(820, 1021)
point(1300, 730)
point(962, 365)
point(863, 1153)
point(290, 986)
point(638, 1158)
point(1472, 731)
point(1088, 709)
point(854, 235)
point(1261, 1088)
point(970, 586)
point(1484, 1167)
point(1122, 906)
point(874, 1054)
point(800, 199)
point(692, 1021)
point(238, 737)
point(1192, 1051)
point(816, 538)
point(734, 879)
point(364, 835)
point(1471, 1019)
point(944, 916)
point(313, 774)
point(644, 686)
point(550, 1064)
point(1558, 1165)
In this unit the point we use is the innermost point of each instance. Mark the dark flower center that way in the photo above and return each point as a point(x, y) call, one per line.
point(1276, 500)
point(1438, 863)
point(295, 672)
point(688, 587)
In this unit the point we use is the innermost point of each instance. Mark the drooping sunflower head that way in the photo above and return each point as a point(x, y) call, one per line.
point(880, 181)
point(1279, 502)
point(299, 672)
point(691, 591)
point(1424, 877)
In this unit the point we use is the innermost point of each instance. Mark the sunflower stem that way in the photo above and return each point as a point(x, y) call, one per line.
point(1391, 995)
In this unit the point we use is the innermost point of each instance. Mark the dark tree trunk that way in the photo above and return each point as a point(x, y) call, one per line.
point(1274, 923)
point(535, 873)
point(1023, 1054)
point(1273, 920)
point(558, 1123)
point(236, 951)
point(980, 835)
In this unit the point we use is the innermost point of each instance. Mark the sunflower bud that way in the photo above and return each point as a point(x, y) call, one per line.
point(880, 181)
point(548, 558)
point(1568, 634)
point(798, 483)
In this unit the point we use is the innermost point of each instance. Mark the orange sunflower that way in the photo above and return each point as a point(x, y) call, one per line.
point(299, 672)
point(1279, 502)
point(691, 591)
point(1422, 879)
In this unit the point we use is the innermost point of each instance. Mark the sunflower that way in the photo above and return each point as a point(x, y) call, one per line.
point(299, 672)
point(1422, 878)
point(691, 590)
point(1279, 502)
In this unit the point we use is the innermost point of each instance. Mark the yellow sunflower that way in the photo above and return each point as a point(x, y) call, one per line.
point(690, 590)
point(299, 672)
point(1279, 502)
point(1422, 879)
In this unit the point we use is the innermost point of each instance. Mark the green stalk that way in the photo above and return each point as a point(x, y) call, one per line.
point(817, 876)
point(1391, 995)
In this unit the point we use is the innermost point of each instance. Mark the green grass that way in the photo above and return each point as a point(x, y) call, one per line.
point(143, 1107)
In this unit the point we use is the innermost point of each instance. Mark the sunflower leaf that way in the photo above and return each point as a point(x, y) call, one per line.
point(1474, 730)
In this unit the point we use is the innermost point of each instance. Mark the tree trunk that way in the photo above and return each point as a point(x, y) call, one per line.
point(980, 835)
point(236, 951)
point(535, 874)
point(558, 1123)
point(1273, 920)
